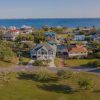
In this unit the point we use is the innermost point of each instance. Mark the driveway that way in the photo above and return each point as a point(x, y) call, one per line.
point(30, 64)
point(52, 64)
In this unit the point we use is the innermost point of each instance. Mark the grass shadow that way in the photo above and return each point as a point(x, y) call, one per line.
point(26, 76)
point(96, 91)
point(32, 76)
point(57, 88)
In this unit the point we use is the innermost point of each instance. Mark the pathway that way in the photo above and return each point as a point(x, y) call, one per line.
point(52, 64)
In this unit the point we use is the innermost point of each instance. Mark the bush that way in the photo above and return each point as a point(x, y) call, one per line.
point(43, 74)
point(40, 63)
point(7, 54)
point(7, 76)
point(64, 74)
point(86, 84)
point(96, 63)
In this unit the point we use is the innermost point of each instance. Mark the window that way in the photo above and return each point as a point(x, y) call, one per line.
point(43, 52)
point(51, 52)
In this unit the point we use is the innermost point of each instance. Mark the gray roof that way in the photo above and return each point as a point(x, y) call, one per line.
point(46, 45)
point(9, 35)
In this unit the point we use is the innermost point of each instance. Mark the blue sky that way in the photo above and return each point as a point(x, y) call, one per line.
point(49, 8)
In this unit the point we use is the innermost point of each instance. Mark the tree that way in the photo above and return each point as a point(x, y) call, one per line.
point(1, 34)
point(24, 37)
point(6, 54)
point(39, 37)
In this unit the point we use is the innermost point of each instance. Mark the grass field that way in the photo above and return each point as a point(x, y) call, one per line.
point(74, 62)
point(5, 64)
point(25, 61)
point(79, 62)
point(28, 89)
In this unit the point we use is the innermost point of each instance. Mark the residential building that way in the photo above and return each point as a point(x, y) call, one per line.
point(79, 37)
point(43, 51)
point(62, 50)
point(96, 37)
point(50, 37)
point(78, 51)
point(8, 36)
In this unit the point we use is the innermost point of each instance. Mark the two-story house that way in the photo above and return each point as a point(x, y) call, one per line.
point(43, 51)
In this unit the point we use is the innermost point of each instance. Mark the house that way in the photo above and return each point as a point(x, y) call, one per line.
point(27, 29)
point(78, 51)
point(50, 37)
point(84, 29)
point(96, 37)
point(8, 36)
point(61, 40)
point(79, 37)
point(43, 51)
point(15, 31)
point(62, 50)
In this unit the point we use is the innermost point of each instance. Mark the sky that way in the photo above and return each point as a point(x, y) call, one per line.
point(49, 8)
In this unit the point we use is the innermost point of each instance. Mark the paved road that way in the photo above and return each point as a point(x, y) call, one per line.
point(29, 67)
point(53, 69)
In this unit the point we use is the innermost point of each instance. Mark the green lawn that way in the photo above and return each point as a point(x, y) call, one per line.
point(79, 62)
point(57, 62)
point(5, 64)
point(25, 60)
point(28, 89)
point(74, 62)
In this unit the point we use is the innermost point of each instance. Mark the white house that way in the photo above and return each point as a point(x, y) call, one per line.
point(43, 51)
point(79, 37)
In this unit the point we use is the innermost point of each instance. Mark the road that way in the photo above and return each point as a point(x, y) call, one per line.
point(29, 67)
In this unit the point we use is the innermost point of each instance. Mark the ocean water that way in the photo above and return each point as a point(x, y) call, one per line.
point(38, 23)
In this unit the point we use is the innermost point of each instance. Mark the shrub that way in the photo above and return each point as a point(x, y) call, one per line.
point(40, 63)
point(96, 63)
point(64, 74)
point(6, 76)
point(86, 83)
point(7, 54)
point(97, 55)
point(43, 75)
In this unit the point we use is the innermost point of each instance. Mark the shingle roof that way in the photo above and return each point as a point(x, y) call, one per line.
point(46, 45)
point(78, 49)
point(8, 35)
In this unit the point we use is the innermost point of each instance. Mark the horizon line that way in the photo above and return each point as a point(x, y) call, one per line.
point(57, 18)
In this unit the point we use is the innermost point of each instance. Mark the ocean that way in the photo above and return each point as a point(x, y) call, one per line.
point(38, 23)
